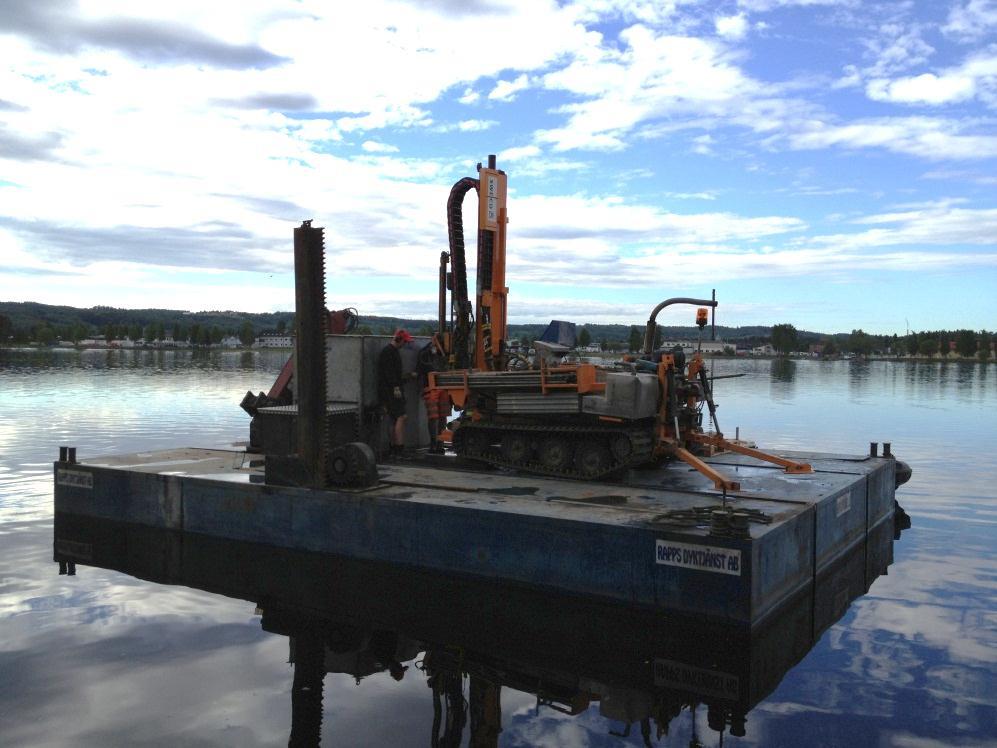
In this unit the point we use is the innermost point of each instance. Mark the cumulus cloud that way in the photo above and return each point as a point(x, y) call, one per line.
point(926, 88)
point(507, 90)
point(977, 76)
point(731, 27)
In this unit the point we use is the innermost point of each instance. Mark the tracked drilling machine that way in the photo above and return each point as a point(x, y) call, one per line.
point(573, 421)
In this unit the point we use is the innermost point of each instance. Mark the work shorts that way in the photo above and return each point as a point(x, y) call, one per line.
point(395, 406)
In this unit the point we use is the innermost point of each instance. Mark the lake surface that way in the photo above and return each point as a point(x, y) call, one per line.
point(105, 658)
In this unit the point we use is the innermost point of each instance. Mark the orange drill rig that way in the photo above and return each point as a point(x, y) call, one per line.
point(582, 420)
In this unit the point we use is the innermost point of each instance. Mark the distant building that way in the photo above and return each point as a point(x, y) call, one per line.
point(816, 350)
point(709, 346)
point(763, 350)
point(231, 341)
point(274, 340)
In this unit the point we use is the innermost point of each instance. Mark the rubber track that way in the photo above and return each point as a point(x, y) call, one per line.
point(639, 438)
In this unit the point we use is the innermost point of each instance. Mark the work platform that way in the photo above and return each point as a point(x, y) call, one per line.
point(657, 539)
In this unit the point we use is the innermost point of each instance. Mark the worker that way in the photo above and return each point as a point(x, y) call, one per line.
point(390, 395)
point(437, 402)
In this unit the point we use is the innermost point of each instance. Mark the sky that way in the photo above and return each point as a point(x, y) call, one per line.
point(827, 163)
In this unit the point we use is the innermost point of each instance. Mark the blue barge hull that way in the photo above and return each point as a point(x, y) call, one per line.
point(637, 541)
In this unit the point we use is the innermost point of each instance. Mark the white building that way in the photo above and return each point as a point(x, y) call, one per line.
point(689, 346)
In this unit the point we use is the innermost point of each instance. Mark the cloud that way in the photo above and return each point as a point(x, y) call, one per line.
point(703, 144)
point(897, 48)
point(692, 195)
point(762, 6)
point(37, 271)
point(961, 175)
point(284, 210)
point(217, 245)
point(507, 90)
point(278, 101)
point(371, 146)
point(476, 125)
point(939, 223)
point(926, 88)
point(925, 137)
point(972, 20)
point(466, 125)
point(682, 81)
point(58, 27)
point(731, 27)
point(41, 147)
point(977, 76)
point(153, 170)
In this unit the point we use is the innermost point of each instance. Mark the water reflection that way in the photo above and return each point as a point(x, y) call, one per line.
point(470, 643)
point(102, 658)
point(783, 370)
point(782, 379)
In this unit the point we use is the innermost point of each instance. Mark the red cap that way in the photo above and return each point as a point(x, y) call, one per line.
point(402, 336)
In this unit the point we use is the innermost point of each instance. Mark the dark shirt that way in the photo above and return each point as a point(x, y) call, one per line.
point(428, 361)
point(389, 373)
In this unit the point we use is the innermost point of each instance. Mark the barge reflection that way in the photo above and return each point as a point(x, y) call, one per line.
point(469, 640)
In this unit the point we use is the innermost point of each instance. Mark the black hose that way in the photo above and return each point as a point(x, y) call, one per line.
point(458, 262)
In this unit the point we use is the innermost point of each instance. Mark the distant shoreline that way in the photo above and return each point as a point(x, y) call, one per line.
point(606, 354)
point(38, 347)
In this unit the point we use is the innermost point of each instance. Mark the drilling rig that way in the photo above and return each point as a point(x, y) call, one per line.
point(582, 421)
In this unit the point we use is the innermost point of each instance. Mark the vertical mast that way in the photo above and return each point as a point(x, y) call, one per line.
point(492, 294)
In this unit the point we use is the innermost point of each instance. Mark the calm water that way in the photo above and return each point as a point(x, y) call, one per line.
point(103, 658)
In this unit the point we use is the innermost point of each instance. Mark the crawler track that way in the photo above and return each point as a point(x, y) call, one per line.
point(577, 452)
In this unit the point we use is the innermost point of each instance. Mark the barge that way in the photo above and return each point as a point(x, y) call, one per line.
point(663, 539)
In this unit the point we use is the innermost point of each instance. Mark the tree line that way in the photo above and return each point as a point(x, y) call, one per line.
point(964, 343)
point(192, 333)
point(27, 322)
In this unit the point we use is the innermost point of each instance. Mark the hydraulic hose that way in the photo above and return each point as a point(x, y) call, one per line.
point(458, 261)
